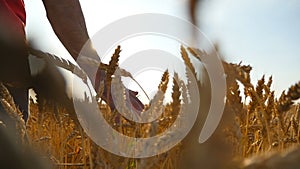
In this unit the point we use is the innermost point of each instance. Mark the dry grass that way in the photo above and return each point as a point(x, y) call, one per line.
point(67, 145)
point(261, 124)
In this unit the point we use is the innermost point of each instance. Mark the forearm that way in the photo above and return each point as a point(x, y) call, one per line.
point(67, 21)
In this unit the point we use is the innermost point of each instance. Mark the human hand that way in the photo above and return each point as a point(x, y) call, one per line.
point(89, 61)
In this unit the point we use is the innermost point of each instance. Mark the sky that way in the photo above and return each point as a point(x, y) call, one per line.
point(262, 33)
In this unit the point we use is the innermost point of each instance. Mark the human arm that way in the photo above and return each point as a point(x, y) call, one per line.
point(68, 23)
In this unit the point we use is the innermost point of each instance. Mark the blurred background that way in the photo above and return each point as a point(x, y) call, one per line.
point(262, 33)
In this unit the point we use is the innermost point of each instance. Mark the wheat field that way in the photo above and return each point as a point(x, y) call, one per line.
point(258, 129)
